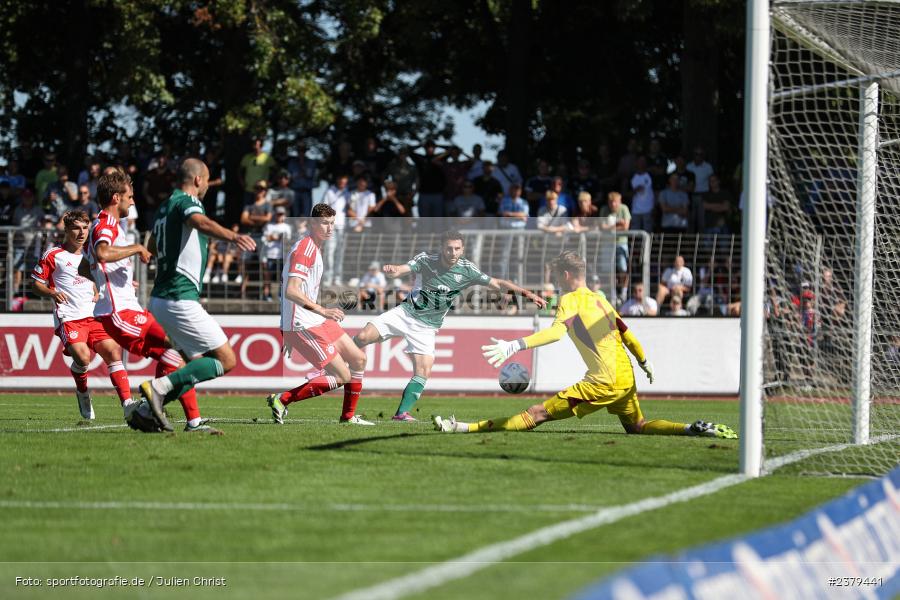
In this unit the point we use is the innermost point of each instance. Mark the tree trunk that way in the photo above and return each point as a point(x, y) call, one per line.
point(699, 83)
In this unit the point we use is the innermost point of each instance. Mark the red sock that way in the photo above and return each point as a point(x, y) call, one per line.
point(351, 395)
point(189, 398)
point(119, 378)
point(312, 388)
point(79, 374)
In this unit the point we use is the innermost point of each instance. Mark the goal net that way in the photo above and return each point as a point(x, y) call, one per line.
point(832, 368)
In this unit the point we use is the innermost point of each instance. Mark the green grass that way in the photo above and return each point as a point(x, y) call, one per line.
point(401, 478)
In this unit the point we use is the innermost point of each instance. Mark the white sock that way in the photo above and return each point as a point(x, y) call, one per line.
point(462, 427)
point(129, 402)
point(162, 385)
point(194, 422)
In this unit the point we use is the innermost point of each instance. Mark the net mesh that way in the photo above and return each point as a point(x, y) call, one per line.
point(822, 54)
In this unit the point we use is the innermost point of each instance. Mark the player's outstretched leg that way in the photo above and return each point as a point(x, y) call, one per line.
point(524, 421)
point(422, 364)
point(168, 363)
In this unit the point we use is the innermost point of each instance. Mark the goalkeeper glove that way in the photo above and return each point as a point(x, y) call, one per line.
point(497, 353)
point(647, 366)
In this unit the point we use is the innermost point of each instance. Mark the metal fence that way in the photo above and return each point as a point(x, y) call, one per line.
point(521, 256)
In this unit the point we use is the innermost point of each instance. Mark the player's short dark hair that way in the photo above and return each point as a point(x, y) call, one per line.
point(452, 234)
point(70, 217)
point(109, 184)
point(569, 261)
point(322, 210)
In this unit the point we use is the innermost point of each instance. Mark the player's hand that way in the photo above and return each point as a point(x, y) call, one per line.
point(335, 314)
point(390, 269)
point(497, 353)
point(60, 297)
point(647, 367)
point(540, 302)
point(144, 254)
point(245, 243)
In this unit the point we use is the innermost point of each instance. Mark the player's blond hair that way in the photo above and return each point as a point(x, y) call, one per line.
point(569, 261)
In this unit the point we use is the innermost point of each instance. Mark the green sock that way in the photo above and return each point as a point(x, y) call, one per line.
point(411, 394)
point(202, 369)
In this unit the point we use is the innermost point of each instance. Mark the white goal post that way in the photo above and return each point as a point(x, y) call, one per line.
point(820, 364)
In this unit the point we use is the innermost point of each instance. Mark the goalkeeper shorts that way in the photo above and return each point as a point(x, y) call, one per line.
point(584, 398)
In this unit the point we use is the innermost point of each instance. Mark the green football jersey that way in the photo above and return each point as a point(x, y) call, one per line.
point(180, 249)
point(436, 287)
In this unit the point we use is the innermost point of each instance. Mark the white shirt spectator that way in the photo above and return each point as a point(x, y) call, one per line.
point(338, 200)
point(643, 200)
point(672, 277)
point(360, 203)
point(701, 176)
point(372, 281)
point(507, 176)
point(633, 308)
point(275, 247)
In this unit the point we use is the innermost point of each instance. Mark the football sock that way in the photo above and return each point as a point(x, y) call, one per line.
point(79, 374)
point(188, 399)
point(411, 394)
point(351, 394)
point(520, 422)
point(119, 378)
point(185, 378)
point(312, 388)
point(663, 427)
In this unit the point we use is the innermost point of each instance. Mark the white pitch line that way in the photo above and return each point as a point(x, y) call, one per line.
point(286, 507)
point(64, 429)
point(463, 566)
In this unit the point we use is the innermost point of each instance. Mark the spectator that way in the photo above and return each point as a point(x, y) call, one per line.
point(389, 210)
point(376, 160)
point(705, 297)
point(685, 177)
point(358, 170)
point(275, 236)
point(27, 217)
point(585, 217)
point(304, 173)
point(476, 165)
point(553, 218)
point(557, 184)
point(717, 207)
point(91, 176)
point(548, 293)
point(605, 171)
point(282, 195)
point(455, 170)
point(468, 208)
point(258, 213)
point(403, 172)
point(45, 176)
point(340, 161)
point(628, 163)
point(255, 166)
point(616, 218)
point(62, 194)
point(657, 164)
point(513, 216)
point(676, 280)
point(702, 171)
point(14, 177)
point(488, 188)
point(158, 184)
point(337, 197)
point(362, 205)
point(639, 305)
point(221, 255)
point(506, 172)
point(431, 190)
point(214, 200)
point(536, 187)
point(86, 203)
point(584, 180)
point(675, 307)
point(675, 206)
point(643, 200)
point(372, 287)
point(7, 204)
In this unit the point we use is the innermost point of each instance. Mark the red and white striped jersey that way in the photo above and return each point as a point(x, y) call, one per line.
point(58, 269)
point(115, 280)
point(305, 263)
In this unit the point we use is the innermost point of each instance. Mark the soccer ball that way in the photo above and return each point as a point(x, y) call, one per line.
point(514, 378)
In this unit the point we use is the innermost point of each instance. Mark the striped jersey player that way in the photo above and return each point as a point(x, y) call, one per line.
point(440, 279)
point(57, 276)
point(312, 329)
point(600, 336)
point(180, 240)
point(110, 256)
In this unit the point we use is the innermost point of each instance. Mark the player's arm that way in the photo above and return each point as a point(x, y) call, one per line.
point(45, 291)
point(503, 284)
point(497, 353)
point(397, 270)
point(204, 224)
point(296, 295)
point(634, 346)
point(106, 252)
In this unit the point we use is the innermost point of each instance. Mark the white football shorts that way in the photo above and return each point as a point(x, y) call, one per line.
point(398, 323)
point(190, 328)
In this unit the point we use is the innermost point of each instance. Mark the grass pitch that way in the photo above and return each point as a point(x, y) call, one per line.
point(314, 509)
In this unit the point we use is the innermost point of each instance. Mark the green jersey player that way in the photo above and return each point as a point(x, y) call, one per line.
point(180, 240)
point(440, 278)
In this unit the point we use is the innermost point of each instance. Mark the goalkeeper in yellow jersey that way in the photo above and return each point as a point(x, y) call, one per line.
point(599, 334)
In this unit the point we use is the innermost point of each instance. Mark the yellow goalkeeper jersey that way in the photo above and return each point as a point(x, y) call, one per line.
point(597, 331)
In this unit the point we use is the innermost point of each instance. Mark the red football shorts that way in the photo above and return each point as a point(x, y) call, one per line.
point(137, 332)
point(87, 331)
point(315, 344)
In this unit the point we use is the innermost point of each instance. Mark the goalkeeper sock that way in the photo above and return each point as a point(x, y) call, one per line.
point(79, 374)
point(185, 378)
point(351, 395)
point(188, 399)
point(119, 378)
point(411, 394)
point(663, 427)
point(312, 388)
point(520, 422)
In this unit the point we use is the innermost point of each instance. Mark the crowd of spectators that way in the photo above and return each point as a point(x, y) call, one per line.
point(374, 188)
